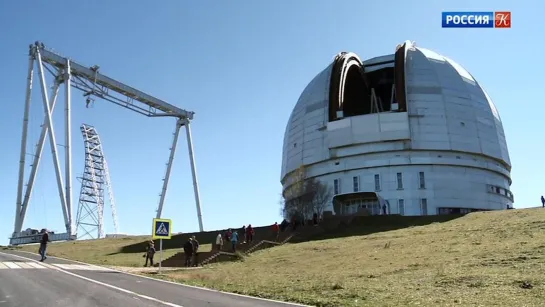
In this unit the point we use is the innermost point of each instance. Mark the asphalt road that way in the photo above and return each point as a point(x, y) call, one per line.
point(62, 283)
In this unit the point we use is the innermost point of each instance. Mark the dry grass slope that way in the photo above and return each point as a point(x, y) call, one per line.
point(482, 259)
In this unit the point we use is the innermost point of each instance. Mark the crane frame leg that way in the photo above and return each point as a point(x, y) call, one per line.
point(194, 174)
point(37, 158)
point(68, 147)
point(21, 179)
point(53, 143)
point(179, 124)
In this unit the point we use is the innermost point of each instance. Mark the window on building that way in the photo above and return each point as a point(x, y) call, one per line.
point(356, 183)
point(377, 182)
point(336, 186)
point(401, 206)
point(399, 181)
point(424, 206)
point(422, 180)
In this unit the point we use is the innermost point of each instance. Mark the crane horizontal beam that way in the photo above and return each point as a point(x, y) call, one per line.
point(92, 76)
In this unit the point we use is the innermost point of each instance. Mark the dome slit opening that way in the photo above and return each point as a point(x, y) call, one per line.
point(357, 100)
point(382, 82)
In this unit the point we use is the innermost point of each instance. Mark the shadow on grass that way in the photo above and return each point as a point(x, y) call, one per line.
point(178, 240)
point(366, 225)
point(337, 227)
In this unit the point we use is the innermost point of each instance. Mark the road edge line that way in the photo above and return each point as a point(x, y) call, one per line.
point(180, 284)
point(99, 282)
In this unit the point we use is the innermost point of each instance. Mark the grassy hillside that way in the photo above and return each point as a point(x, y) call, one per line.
point(482, 259)
point(105, 251)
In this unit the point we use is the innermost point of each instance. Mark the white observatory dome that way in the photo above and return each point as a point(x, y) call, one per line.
point(414, 129)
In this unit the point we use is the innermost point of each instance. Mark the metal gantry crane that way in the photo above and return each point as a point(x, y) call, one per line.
point(93, 84)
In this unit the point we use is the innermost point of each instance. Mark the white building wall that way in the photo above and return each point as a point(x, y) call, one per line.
point(446, 186)
point(451, 179)
point(303, 139)
point(452, 132)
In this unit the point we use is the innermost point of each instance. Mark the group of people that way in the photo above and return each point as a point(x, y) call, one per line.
point(191, 248)
point(231, 237)
point(297, 221)
point(226, 241)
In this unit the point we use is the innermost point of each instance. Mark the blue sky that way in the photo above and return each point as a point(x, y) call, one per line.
point(240, 65)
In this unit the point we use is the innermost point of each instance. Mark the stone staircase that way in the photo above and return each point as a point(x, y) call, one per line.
point(204, 258)
point(263, 244)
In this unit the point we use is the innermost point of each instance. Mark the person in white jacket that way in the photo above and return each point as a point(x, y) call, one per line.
point(219, 242)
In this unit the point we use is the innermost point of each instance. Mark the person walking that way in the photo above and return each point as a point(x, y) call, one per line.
point(188, 252)
point(195, 250)
point(250, 234)
point(234, 241)
point(150, 252)
point(43, 245)
point(276, 231)
point(219, 242)
point(227, 236)
point(542, 201)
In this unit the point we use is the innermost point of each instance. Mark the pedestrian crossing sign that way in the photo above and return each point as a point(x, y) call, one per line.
point(162, 229)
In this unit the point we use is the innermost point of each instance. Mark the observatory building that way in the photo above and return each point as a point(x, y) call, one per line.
point(410, 133)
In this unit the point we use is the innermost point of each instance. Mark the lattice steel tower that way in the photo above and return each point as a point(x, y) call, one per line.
point(95, 179)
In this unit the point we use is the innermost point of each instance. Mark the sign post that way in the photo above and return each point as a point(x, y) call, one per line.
point(162, 229)
point(160, 254)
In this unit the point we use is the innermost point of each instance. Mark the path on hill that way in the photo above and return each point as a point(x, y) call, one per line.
point(24, 281)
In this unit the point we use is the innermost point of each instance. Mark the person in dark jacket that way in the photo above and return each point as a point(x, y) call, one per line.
point(43, 245)
point(195, 250)
point(188, 252)
point(227, 235)
point(243, 231)
point(284, 225)
point(150, 252)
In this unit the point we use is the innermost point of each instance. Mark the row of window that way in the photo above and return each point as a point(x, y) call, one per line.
point(499, 190)
point(374, 207)
point(401, 206)
point(444, 211)
point(356, 183)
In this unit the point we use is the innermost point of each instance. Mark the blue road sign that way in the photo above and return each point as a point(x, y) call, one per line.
point(162, 229)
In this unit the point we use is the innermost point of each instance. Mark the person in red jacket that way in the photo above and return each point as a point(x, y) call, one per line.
point(276, 231)
point(250, 233)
